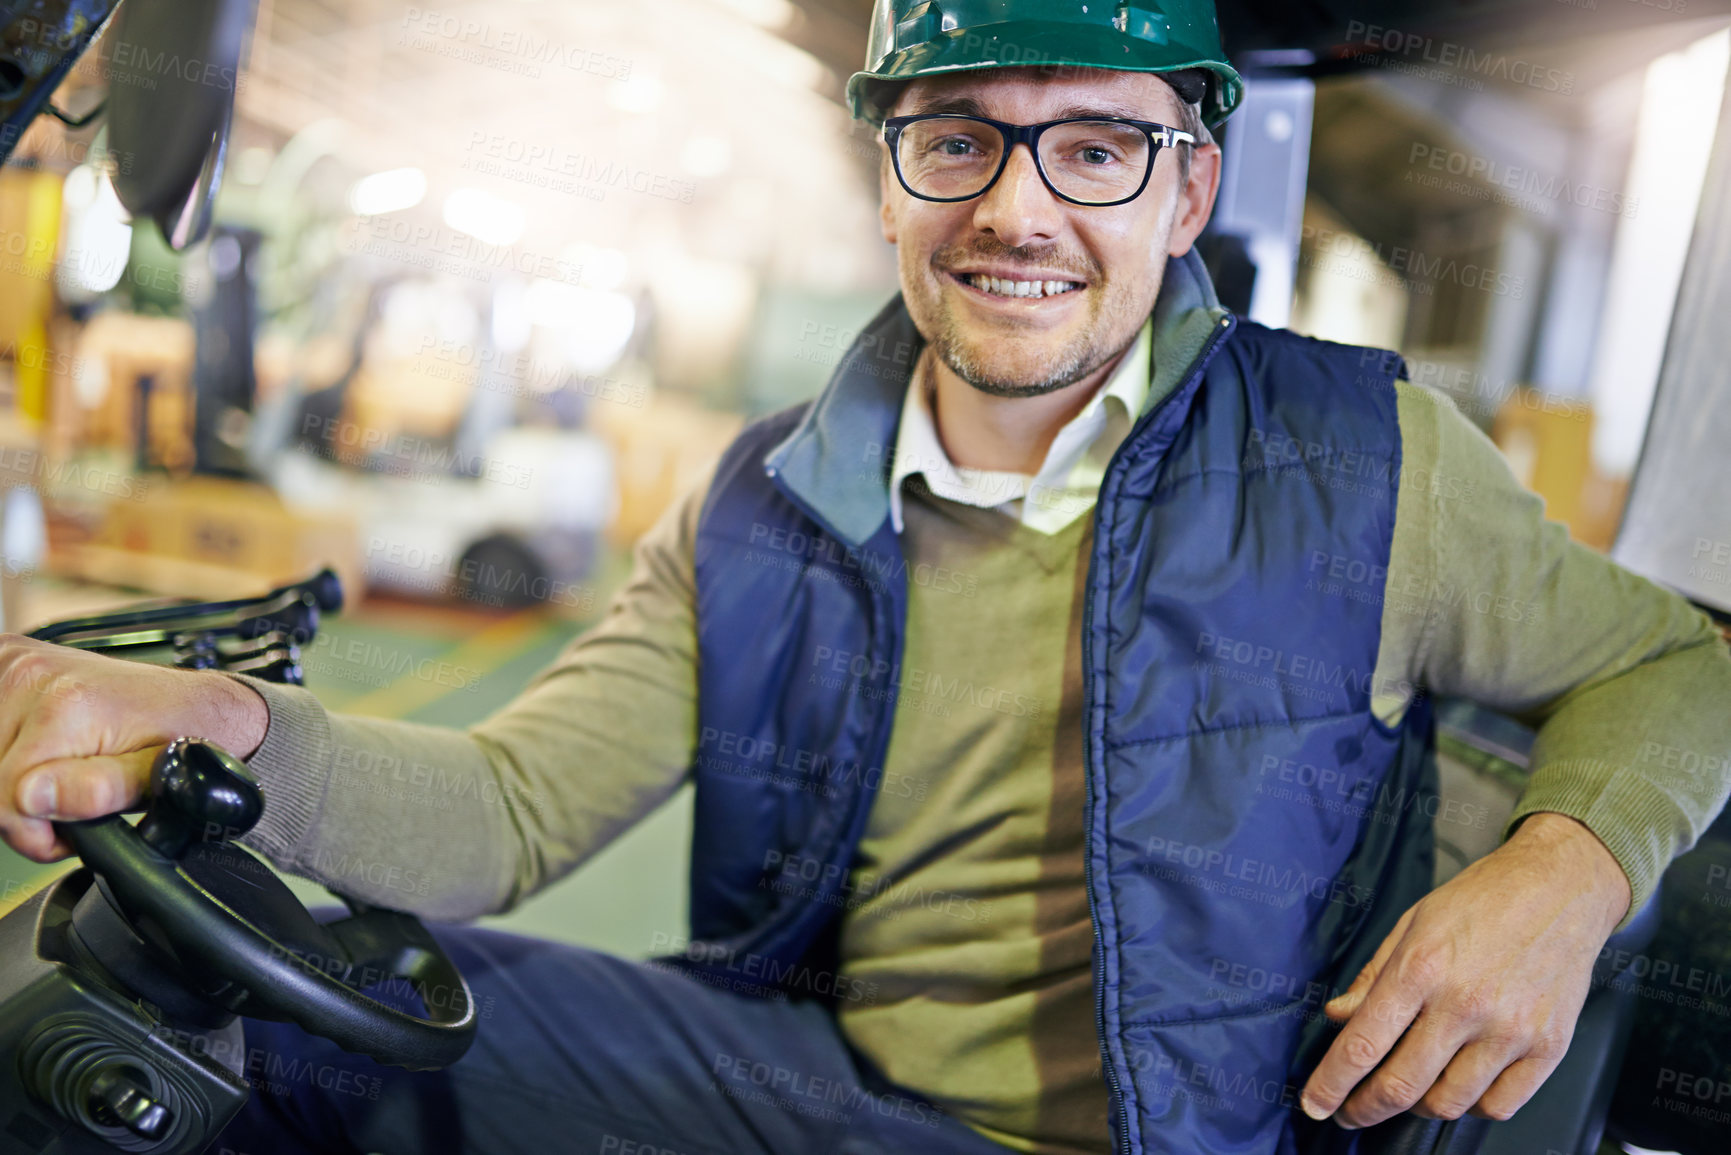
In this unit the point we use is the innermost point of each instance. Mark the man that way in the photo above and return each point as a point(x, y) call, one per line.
point(1069, 657)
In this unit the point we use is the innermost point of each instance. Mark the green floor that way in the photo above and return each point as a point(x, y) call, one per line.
point(623, 900)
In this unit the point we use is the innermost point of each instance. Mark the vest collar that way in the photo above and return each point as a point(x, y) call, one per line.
point(836, 462)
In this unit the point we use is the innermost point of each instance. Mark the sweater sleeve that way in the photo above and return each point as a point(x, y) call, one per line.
point(1626, 682)
point(453, 824)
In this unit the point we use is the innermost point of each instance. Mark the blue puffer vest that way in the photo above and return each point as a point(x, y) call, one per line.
point(1253, 830)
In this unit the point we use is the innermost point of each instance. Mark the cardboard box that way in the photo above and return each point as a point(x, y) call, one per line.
point(212, 538)
point(1548, 442)
point(660, 451)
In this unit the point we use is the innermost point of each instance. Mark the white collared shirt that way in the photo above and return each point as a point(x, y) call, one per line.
point(1068, 482)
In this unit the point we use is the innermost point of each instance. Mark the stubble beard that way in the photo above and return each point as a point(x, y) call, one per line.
point(1072, 363)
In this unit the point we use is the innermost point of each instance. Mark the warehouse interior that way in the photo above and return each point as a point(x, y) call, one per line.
point(484, 287)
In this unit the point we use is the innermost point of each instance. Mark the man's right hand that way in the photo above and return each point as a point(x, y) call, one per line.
point(79, 730)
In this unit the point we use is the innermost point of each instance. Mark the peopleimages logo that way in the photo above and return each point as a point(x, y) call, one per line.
point(1521, 179)
point(449, 251)
point(1416, 270)
point(758, 973)
point(550, 166)
point(72, 152)
point(1375, 38)
point(512, 49)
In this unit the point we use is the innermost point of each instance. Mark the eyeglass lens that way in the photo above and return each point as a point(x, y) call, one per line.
point(1090, 160)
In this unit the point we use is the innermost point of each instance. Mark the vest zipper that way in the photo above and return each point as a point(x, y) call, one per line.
point(1122, 1118)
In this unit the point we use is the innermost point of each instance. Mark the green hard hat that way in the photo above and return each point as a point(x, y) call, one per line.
point(911, 38)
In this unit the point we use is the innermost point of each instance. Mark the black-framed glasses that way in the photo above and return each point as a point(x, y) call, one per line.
point(1093, 161)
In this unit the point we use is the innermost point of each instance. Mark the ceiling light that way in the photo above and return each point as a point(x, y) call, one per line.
point(640, 92)
point(98, 237)
point(387, 192)
point(598, 268)
point(482, 215)
point(706, 155)
point(593, 325)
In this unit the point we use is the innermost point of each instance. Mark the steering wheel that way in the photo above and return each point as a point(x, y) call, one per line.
point(244, 942)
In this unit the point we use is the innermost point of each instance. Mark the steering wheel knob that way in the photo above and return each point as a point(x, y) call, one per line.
point(199, 792)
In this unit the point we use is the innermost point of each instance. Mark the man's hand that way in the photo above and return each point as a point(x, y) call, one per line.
point(78, 732)
point(1476, 990)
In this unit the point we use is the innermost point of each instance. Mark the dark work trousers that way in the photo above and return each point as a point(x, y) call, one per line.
point(582, 1052)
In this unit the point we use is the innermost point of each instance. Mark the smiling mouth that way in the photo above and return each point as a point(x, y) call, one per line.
point(999, 287)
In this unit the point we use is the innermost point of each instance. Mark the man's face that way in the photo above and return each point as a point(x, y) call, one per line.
point(1019, 231)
